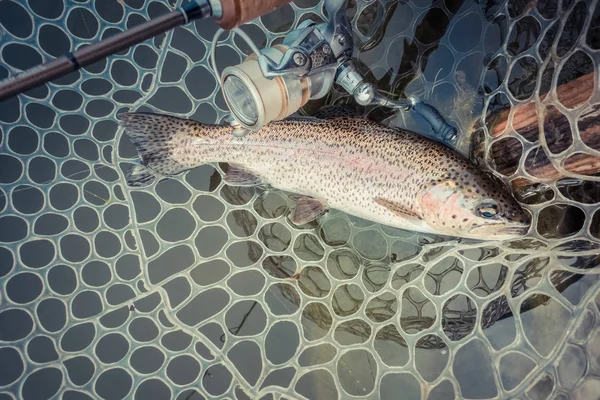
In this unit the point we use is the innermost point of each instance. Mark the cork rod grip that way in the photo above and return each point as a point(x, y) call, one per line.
point(237, 12)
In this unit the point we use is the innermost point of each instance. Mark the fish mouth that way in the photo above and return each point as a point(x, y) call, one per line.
point(500, 230)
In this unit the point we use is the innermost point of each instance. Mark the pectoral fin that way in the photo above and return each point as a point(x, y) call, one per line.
point(397, 209)
point(308, 209)
point(238, 176)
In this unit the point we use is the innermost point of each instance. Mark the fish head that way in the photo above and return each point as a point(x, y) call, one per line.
point(477, 206)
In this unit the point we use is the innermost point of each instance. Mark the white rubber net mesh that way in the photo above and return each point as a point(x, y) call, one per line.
point(194, 289)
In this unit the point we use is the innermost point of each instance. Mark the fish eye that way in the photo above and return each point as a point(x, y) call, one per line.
point(487, 213)
point(488, 208)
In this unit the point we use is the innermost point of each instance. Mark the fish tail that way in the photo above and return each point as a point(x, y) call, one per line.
point(157, 138)
point(138, 176)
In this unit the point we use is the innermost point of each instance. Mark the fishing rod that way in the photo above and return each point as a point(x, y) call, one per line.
point(268, 85)
point(228, 13)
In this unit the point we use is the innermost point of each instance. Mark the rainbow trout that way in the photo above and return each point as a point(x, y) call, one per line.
point(382, 174)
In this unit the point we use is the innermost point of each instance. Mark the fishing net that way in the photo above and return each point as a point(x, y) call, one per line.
point(193, 289)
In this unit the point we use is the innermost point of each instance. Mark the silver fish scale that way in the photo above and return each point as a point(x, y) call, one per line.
point(230, 299)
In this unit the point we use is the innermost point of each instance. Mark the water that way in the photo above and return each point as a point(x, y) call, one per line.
point(192, 288)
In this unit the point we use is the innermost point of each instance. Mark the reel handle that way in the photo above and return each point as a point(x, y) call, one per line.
point(439, 125)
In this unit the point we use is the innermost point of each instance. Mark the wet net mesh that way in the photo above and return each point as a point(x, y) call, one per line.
point(194, 289)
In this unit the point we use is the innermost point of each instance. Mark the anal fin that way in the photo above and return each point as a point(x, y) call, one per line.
point(239, 176)
point(308, 209)
point(397, 209)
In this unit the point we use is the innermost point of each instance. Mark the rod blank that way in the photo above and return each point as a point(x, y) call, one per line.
point(90, 54)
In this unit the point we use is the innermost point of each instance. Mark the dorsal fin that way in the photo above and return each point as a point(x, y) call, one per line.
point(336, 111)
